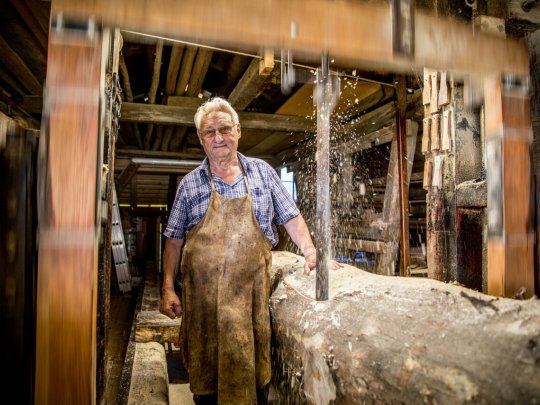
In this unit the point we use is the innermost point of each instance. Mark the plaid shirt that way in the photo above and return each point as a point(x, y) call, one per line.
point(272, 203)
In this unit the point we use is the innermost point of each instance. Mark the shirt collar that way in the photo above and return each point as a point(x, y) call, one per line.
point(244, 161)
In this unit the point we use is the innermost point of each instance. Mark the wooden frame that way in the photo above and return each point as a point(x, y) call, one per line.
point(355, 34)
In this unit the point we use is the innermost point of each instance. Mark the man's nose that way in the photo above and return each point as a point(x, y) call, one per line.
point(218, 137)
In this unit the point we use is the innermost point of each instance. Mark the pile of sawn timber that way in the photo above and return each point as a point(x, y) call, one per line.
point(391, 340)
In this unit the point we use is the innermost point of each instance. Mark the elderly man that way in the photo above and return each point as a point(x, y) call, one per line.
point(221, 229)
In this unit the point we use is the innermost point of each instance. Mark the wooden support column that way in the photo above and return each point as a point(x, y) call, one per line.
point(67, 259)
point(509, 181)
point(438, 147)
point(404, 243)
point(386, 261)
point(113, 100)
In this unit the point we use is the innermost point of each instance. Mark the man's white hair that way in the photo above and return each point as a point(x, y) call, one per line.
point(212, 105)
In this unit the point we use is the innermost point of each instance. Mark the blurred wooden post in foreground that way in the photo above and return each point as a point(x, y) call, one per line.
point(509, 179)
point(67, 263)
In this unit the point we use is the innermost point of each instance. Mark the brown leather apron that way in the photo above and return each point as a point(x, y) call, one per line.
point(226, 323)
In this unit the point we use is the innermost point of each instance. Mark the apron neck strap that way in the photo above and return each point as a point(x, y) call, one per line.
point(243, 175)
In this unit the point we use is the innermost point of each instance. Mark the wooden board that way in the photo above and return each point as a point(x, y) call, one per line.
point(67, 263)
point(355, 34)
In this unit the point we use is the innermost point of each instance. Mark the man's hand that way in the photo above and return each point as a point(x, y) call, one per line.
point(170, 304)
point(311, 261)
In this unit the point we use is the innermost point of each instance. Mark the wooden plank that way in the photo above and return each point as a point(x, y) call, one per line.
point(124, 73)
point(379, 137)
point(126, 152)
point(24, 10)
point(184, 101)
point(126, 175)
point(391, 211)
point(165, 114)
point(156, 73)
point(322, 25)
point(174, 66)
point(249, 86)
point(185, 70)
point(14, 63)
point(404, 168)
point(200, 67)
point(67, 267)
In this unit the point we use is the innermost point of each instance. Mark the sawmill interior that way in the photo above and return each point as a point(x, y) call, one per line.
point(431, 113)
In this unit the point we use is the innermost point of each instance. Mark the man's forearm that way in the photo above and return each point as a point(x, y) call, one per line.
point(171, 261)
point(299, 233)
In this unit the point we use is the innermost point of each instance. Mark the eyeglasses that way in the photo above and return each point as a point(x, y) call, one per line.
point(223, 131)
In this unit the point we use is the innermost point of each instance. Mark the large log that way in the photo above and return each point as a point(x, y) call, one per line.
point(382, 339)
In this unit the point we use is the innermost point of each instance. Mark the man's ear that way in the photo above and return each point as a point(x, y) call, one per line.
point(238, 130)
point(200, 138)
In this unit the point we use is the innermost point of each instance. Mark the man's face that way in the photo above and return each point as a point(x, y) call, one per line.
point(219, 136)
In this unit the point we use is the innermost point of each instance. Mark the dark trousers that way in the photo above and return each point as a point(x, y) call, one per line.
point(262, 395)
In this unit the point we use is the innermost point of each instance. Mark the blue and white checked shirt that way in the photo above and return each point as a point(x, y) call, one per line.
point(272, 203)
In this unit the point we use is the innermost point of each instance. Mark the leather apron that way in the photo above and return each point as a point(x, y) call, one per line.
point(225, 328)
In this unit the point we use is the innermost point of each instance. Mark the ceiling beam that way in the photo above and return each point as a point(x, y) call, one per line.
point(166, 114)
point(200, 68)
point(249, 86)
point(14, 63)
point(355, 34)
point(158, 154)
point(32, 22)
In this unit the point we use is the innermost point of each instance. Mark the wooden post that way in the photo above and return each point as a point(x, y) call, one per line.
point(107, 183)
point(67, 259)
point(404, 243)
point(509, 180)
point(391, 209)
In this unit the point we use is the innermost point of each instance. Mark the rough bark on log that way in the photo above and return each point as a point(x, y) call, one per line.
point(387, 340)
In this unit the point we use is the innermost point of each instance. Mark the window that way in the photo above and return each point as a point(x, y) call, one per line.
point(287, 178)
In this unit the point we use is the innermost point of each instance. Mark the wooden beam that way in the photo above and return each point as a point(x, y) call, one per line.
point(124, 73)
point(15, 64)
point(157, 154)
point(126, 175)
point(174, 66)
point(164, 114)
point(321, 25)
point(184, 101)
point(153, 90)
point(200, 67)
point(391, 210)
point(378, 137)
point(403, 189)
point(249, 86)
point(24, 10)
point(185, 70)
